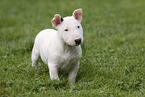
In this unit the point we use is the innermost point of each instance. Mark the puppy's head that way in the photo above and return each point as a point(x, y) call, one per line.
point(69, 28)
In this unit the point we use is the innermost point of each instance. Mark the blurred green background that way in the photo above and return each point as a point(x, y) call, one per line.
point(113, 50)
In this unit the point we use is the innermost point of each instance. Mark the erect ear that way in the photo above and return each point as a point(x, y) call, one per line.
point(56, 20)
point(78, 14)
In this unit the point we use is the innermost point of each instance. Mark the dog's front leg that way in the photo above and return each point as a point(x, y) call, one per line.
point(73, 73)
point(53, 71)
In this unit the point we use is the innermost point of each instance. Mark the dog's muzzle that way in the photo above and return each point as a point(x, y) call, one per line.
point(78, 41)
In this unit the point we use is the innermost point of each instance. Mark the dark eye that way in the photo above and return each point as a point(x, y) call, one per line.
point(66, 29)
point(78, 26)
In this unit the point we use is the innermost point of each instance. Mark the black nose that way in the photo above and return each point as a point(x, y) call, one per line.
point(78, 41)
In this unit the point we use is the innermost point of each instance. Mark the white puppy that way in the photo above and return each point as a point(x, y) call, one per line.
point(60, 49)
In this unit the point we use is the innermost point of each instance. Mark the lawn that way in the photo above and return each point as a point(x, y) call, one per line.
point(113, 60)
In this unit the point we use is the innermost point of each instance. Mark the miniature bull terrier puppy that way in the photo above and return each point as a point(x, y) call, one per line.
point(60, 49)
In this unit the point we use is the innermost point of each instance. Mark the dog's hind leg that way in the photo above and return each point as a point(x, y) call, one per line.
point(35, 57)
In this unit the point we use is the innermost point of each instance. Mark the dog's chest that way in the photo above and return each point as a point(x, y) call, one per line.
point(67, 60)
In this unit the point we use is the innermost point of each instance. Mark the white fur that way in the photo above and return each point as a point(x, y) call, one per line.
point(58, 48)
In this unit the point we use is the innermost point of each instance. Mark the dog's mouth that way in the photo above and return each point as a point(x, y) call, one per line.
point(66, 43)
point(77, 44)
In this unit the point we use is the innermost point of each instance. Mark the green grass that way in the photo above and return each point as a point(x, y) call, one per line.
point(113, 61)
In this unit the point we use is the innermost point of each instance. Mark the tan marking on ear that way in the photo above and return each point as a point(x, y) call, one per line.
point(56, 20)
point(78, 14)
